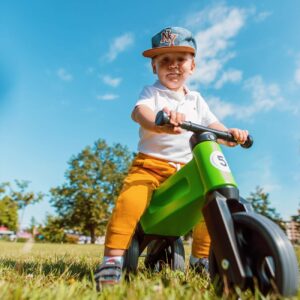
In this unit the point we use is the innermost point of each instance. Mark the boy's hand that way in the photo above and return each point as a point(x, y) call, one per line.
point(146, 118)
point(239, 135)
point(176, 119)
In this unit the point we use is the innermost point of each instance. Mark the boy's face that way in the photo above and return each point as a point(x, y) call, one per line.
point(173, 69)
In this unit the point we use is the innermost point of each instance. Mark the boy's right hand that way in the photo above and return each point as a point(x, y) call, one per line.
point(176, 118)
point(143, 115)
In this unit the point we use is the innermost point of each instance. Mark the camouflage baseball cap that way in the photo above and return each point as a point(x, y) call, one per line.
point(172, 39)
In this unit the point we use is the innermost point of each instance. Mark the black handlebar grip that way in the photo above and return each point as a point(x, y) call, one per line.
point(162, 119)
point(248, 143)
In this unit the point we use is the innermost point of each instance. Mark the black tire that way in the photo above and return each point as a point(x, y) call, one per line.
point(131, 257)
point(163, 252)
point(267, 252)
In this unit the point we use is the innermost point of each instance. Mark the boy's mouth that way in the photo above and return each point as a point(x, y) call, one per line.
point(173, 75)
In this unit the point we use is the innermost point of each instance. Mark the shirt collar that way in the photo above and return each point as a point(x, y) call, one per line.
point(174, 94)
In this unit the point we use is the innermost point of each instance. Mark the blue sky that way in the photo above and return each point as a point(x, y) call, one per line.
point(71, 71)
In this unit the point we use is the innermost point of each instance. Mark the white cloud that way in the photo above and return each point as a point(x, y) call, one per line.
point(107, 97)
point(229, 76)
point(262, 172)
point(114, 82)
point(260, 17)
point(215, 28)
point(296, 177)
point(267, 177)
point(119, 44)
point(225, 24)
point(297, 76)
point(221, 108)
point(264, 97)
point(64, 75)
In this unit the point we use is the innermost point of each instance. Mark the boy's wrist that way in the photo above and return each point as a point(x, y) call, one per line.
point(157, 129)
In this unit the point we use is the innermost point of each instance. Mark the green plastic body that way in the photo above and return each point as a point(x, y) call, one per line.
point(176, 206)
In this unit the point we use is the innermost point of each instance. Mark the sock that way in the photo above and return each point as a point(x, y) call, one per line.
point(113, 259)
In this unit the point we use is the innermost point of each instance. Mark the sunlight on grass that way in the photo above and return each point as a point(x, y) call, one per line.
point(56, 271)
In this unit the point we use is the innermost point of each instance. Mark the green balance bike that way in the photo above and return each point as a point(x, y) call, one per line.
point(248, 250)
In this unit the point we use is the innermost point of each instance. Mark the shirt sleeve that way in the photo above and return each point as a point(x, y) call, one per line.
point(147, 98)
point(207, 116)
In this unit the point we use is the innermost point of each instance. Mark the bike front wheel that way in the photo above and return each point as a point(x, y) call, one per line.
point(266, 253)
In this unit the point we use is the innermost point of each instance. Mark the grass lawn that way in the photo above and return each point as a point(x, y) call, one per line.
point(60, 271)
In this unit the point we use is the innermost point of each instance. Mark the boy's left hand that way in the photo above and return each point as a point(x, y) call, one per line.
point(239, 135)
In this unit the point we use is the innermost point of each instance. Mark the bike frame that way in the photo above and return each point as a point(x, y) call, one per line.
point(176, 206)
point(204, 187)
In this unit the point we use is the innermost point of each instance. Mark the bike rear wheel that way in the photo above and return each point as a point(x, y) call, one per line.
point(131, 257)
point(162, 253)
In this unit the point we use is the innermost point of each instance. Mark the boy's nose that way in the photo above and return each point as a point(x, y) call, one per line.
point(173, 64)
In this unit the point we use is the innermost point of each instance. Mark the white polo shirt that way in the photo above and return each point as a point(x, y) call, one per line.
point(172, 147)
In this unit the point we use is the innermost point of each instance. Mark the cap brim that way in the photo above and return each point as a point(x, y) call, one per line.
point(161, 50)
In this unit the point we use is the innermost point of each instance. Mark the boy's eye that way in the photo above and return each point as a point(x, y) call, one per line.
point(167, 60)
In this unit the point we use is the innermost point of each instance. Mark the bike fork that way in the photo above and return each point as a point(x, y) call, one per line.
point(220, 204)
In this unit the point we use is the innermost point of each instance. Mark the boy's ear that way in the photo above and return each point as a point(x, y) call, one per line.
point(193, 66)
point(153, 66)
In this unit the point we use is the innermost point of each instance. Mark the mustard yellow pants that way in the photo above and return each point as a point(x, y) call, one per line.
point(145, 175)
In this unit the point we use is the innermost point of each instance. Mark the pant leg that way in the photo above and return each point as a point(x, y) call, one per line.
point(201, 241)
point(145, 175)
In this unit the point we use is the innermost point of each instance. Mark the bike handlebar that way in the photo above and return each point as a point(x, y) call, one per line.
point(163, 119)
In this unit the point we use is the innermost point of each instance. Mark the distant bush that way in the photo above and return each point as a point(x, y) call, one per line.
point(5, 238)
point(21, 240)
point(72, 239)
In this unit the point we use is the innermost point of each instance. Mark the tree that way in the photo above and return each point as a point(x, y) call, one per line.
point(22, 197)
point(8, 208)
point(33, 225)
point(52, 231)
point(13, 199)
point(93, 181)
point(261, 204)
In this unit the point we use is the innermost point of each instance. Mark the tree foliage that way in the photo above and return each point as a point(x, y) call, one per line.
point(261, 204)
point(52, 231)
point(93, 181)
point(22, 196)
point(8, 208)
point(13, 198)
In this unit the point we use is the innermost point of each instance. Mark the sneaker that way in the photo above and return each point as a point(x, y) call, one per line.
point(108, 273)
point(201, 266)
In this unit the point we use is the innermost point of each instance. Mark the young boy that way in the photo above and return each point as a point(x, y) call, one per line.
point(162, 149)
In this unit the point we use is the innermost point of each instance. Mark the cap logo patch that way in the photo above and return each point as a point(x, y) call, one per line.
point(167, 37)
